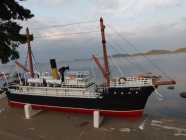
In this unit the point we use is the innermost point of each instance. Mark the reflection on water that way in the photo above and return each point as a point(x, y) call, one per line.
point(173, 65)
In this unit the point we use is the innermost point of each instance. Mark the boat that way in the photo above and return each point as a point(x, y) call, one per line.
point(75, 91)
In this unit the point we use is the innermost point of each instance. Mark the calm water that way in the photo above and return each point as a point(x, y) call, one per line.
point(174, 65)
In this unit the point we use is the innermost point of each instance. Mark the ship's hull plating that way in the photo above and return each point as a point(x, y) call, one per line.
point(124, 102)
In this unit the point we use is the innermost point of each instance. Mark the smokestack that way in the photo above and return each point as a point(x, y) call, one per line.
point(54, 70)
point(62, 71)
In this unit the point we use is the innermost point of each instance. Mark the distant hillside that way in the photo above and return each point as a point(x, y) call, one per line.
point(180, 50)
point(120, 55)
point(157, 52)
point(151, 52)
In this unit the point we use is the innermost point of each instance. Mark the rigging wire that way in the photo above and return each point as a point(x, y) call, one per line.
point(159, 95)
point(26, 60)
point(118, 50)
point(93, 21)
point(35, 62)
point(66, 34)
point(18, 75)
point(65, 25)
point(92, 70)
point(148, 59)
point(119, 69)
point(139, 67)
point(133, 46)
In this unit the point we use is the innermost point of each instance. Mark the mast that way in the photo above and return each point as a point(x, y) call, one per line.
point(106, 63)
point(29, 53)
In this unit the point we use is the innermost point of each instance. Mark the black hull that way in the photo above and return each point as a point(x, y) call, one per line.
point(115, 99)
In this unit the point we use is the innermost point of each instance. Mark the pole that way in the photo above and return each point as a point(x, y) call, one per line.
point(29, 53)
point(106, 63)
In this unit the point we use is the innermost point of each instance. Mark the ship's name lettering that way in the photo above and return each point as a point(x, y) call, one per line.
point(134, 89)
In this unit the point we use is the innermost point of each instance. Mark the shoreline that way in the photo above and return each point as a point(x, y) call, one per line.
point(57, 125)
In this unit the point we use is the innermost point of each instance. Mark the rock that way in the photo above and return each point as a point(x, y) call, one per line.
point(2, 110)
point(183, 94)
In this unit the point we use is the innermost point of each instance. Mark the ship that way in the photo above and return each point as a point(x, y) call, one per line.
point(75, 91)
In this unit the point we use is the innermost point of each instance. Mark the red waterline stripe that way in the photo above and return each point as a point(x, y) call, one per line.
point(123, 114)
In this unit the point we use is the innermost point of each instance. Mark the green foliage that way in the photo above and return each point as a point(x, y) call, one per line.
point(10, 38)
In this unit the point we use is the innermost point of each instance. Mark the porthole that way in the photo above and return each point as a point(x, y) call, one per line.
point(122, 93)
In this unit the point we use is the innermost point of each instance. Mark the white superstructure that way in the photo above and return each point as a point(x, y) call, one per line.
point(76, 84)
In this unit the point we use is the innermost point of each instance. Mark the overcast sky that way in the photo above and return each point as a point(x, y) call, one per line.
point(148, 24)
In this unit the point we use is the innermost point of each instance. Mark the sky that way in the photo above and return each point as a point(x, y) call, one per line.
point(147, 24)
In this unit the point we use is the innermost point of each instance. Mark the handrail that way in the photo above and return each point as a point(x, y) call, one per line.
point(55, 91)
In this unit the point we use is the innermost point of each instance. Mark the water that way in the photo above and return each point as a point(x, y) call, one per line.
point(173, 65)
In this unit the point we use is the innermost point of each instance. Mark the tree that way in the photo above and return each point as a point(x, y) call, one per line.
point(10, 37)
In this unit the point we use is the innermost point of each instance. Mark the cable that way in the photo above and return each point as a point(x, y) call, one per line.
point(36, 64)
point(66, 34)
point(133, 46)
point(26, 60)
point(65, 25)
point(92, 70)
point(140, 68)
point(112, 60)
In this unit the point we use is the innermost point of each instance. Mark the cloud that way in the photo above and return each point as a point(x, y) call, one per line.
point(112, 6)
point(49, 2)
point(39, 28)
point(44, 28)
point(65, 34)
point(157, 30)
point(132, 7)
point(51, 34)
point(161, 3)
point(151, 24)
point(167, 35)
point(149, 30)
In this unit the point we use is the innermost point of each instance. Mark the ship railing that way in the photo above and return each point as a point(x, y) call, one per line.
point(57, 83)
point(132, 81)
point(68, 85)
point(61, 92)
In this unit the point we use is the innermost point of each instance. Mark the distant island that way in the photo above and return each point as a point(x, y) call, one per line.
point(151, 52)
